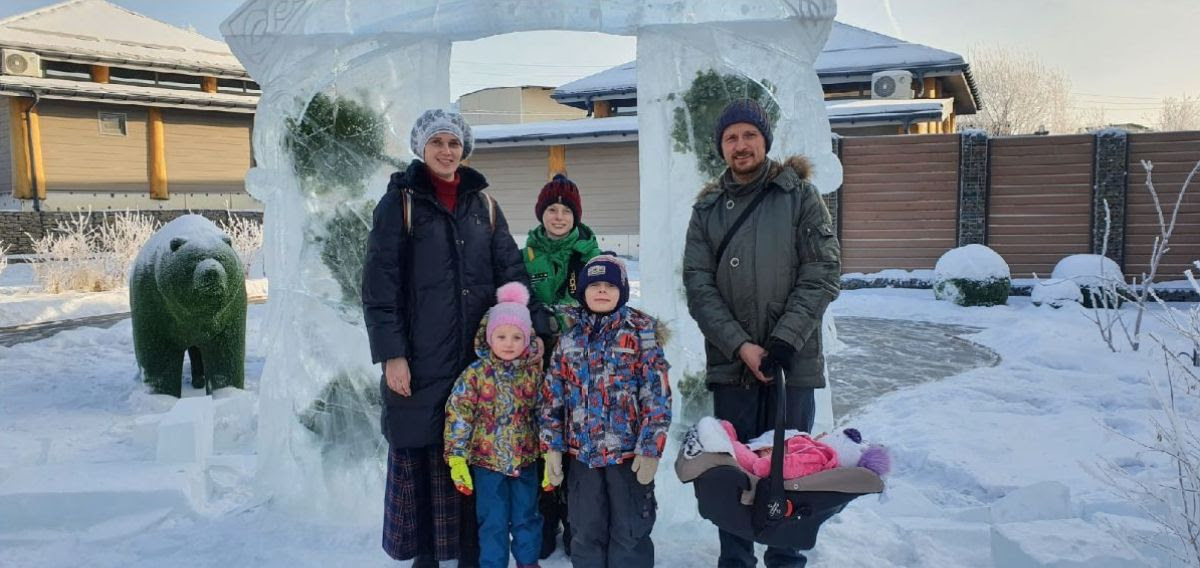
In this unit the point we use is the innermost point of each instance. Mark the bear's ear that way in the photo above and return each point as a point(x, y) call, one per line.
point(177, 242)
point(227, 240)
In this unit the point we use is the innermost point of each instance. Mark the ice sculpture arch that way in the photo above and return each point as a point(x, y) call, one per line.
point(375, 52)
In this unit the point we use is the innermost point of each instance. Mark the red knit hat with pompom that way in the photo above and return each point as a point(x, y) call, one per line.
point(559, 190)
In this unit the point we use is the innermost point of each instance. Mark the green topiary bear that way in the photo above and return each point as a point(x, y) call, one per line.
point(187, 293)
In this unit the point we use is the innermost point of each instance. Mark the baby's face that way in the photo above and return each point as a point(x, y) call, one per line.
point(507, 342)
point(763, 453)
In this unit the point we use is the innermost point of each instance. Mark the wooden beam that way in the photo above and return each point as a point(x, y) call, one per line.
point(208, 84)
point(557, 161)
point(601, 109)
point(156, 159)
point(99, 73)
point(28, 171)
point(931, 88)
point(950, 126)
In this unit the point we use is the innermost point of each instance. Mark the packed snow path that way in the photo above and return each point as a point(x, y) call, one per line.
point(884, 355)
point(17, 334)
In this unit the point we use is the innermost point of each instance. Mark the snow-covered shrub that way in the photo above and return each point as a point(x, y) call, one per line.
point(4, 256)
point(65, 258)
point(79, 255)
point(247, 237)
point(343, 250)
point(1099, 278)
point(1056, 293)
point(117, 243)
point(972, 275)
point(696, 398)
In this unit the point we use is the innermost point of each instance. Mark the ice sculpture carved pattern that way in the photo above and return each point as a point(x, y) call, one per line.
point(393, 58)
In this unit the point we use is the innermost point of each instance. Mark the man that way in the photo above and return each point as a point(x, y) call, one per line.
point(760, 299)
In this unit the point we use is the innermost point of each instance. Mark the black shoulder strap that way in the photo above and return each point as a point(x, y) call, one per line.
point(737, 224)
point(574, 263)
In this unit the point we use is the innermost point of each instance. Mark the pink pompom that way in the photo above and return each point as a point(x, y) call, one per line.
point(513, 292)
point(877, 459)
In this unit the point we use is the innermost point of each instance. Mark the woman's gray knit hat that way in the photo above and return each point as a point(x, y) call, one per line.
point(436, 120)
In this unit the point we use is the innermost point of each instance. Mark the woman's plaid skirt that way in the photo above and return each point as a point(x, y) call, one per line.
point(421, 510)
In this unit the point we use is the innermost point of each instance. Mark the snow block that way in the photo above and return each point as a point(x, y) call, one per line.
point(1048, 500)
point(1064, 543)
point(73, 497)
point(185, 433)
point(234, 419)
point(972, 537)
point(187, 293)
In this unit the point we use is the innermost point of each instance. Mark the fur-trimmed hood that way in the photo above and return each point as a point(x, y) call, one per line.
point(800, 166)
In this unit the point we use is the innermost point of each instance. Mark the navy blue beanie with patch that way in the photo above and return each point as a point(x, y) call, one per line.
point(606, 267)
point(743, 110)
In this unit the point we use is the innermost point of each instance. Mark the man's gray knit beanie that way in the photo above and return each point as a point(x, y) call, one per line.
point(436, 120)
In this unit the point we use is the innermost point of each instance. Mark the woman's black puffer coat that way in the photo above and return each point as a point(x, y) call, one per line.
point(425, 290)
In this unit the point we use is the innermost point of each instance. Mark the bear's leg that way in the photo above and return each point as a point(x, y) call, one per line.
point(225, 360)
point(197, 367)
point(163, 370)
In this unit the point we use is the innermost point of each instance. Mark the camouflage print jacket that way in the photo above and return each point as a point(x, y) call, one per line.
point(606, 396)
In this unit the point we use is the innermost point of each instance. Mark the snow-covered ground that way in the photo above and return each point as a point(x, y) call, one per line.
point(994, 458)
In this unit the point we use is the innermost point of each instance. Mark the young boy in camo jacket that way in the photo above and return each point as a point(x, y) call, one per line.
point(606, 404)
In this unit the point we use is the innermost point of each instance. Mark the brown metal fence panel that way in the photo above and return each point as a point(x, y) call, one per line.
point(1173, 154)
point(899, 201)
point(1039, 201)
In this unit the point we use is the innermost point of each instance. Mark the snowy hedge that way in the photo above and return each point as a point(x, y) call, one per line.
point(972, 275)
point(1097, 276)
point(1055, 292)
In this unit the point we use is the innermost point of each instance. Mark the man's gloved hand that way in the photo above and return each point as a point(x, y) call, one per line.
point(554, 472)
point(460, 474)
point(645, 467)
point(779, 355)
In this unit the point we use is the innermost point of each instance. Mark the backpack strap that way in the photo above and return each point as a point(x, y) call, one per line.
point(406, 210)
point(491, 207)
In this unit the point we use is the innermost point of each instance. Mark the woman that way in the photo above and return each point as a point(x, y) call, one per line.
point(554, 252)
point(438, 249)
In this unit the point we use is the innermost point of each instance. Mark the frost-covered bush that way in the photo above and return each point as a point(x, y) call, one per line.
point(79, 255)
point(246, 235)
point(702, 105)
point(65, 259)
point(3, 256)
point(1056, 292)
point(972, 275)
point(1099, 278)
point(118, 241)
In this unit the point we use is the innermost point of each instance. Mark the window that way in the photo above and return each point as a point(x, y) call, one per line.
point(112, 123)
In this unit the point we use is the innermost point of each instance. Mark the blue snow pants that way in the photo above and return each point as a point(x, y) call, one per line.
point(507, 505)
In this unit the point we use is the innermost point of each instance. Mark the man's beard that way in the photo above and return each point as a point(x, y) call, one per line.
point(753, 167)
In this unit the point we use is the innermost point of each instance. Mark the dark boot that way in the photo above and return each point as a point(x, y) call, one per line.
point(425, 561)
point(566, 538)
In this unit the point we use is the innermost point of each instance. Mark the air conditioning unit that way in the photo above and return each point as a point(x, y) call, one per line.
point(20, 63)
point(892, 84)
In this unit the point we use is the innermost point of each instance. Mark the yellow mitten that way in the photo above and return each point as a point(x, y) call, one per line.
point(461, 475)
point(553, 476)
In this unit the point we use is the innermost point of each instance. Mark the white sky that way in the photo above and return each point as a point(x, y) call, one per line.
point(1124, 55)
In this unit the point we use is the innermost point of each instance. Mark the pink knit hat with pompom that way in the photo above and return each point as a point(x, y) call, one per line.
point(511, 309)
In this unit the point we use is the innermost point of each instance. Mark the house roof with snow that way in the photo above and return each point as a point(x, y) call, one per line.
point(847, 112)
point(850, 55)
point(98, 32)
